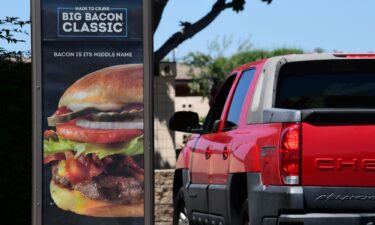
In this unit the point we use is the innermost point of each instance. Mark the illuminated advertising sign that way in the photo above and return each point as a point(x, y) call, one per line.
point(92, 127)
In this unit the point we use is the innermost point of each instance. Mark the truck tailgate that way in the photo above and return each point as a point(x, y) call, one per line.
point(340, 152)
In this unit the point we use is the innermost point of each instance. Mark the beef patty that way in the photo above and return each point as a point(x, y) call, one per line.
point(113, 188)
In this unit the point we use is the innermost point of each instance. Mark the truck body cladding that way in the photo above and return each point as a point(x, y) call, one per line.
point(336, 180)
point(206, 200)
point(270, 204)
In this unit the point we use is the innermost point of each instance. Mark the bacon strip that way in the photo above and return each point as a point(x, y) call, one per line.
point(82, 169)
point(50, 134)
point(137, 171)
point(53, 157)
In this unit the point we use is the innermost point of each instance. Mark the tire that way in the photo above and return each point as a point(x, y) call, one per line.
point(179, 209)
point(244, 214)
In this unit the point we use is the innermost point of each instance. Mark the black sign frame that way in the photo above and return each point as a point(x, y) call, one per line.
point(37, 145)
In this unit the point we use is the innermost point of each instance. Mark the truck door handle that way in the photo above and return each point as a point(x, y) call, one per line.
point(208, 152)
point(226, 153)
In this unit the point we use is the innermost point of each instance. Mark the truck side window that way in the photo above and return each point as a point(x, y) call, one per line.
point(238, 99)
point(217, 107)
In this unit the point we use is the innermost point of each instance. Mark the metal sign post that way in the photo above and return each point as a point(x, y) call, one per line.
point(92, 116)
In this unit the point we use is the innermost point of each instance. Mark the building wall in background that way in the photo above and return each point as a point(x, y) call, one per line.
point(172, 93)
point(164, 106)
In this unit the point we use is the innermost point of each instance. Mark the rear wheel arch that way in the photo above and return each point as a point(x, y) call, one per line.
point(179, 209)
point(237, 195)
point(177, 182)
point(244, 214)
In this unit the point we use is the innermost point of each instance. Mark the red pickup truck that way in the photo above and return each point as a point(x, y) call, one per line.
point(288, 140)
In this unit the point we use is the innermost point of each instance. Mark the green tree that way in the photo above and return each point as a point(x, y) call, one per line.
point(9, 28)
point(16, 153)
point(208, 72)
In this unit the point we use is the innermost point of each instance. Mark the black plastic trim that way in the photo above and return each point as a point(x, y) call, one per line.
point(340, 205)
point(272, 205)
point(207, 201)
point(328, 115)
point(267, 201)
point(342, 198)
point(185, 184)
point(197, 197)
point(327, 219)
point(343, 116)
point(217, 200)
point(199, 218)
point(206, 219)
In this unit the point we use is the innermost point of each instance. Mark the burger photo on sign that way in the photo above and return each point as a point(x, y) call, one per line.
point(96, 148)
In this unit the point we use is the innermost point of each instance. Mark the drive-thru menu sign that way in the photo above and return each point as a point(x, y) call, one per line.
point(92, 104)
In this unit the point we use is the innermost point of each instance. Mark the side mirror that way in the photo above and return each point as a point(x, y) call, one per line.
point(185, 121)
point(215, 126)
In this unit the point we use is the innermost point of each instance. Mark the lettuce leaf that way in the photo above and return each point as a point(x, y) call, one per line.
point(133, 147)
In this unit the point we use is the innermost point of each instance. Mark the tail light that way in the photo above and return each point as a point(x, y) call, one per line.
point(290, 154)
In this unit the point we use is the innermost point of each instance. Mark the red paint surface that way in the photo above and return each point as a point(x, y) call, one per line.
point(337, 155)
point(241, 145)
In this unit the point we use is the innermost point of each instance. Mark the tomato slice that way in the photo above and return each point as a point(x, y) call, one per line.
point(76, 172)
point(81, 169)
point(73, 132)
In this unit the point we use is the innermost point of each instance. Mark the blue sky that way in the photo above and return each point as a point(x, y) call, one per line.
point(332, 25)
